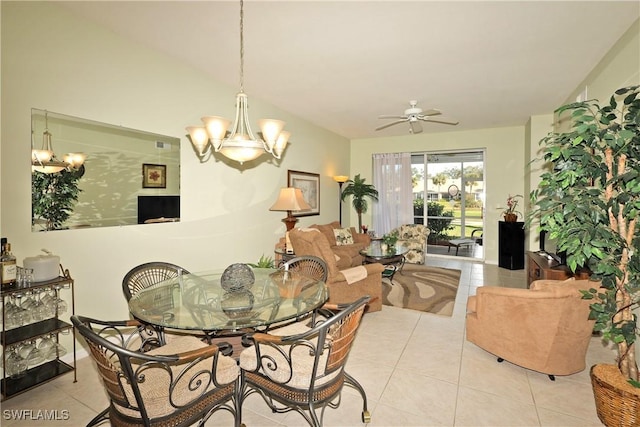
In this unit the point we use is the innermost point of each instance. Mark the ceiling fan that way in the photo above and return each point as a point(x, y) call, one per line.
point(414, 115)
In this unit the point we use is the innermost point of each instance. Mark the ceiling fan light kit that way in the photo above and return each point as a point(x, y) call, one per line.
point(414, 115)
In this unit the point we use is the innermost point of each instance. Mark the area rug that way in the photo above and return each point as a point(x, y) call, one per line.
point(422, 288)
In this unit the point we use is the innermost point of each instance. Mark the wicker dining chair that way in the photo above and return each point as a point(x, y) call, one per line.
point(178, 384)
point(310, 266)
point(148, 274)
point(303, 372)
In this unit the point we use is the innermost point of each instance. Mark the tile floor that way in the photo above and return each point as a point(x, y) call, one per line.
point(417, 369)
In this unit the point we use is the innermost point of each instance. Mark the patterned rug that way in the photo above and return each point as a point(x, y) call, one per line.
point(430, 289)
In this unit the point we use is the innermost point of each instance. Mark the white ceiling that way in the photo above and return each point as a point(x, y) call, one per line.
point(341, 64)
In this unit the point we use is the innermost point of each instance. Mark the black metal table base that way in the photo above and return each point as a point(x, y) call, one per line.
point(392, 265)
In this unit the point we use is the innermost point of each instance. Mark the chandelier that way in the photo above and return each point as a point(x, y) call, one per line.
point(240, 144)
point(45, 160)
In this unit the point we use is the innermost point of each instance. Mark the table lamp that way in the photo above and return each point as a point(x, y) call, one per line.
point(290, 199)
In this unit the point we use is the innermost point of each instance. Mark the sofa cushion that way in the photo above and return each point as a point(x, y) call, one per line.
point(343, 236)
point(327, 230)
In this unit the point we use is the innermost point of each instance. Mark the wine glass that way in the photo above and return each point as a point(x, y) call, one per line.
point(47, 347)
point(61, 305)
point(16, 365)
point(35, 357)
point(25, 348)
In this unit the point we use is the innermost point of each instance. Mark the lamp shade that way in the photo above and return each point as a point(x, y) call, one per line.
point(290, 199)
point(341, 178)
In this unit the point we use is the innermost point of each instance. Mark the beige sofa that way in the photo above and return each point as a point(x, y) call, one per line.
point(346, 285)
point(349, 255)
point(545, 328)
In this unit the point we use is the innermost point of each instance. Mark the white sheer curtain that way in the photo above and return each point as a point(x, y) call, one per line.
point(392, 179)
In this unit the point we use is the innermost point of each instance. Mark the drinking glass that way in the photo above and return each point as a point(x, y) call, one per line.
point(27, 278)
point(35, 357)
point(47, 347)
point(16, 365)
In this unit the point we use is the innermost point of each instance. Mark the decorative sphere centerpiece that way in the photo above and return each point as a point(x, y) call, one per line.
point(237, 277)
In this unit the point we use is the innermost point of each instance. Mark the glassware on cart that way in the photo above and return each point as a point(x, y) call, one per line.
point(47, 347)
point(60, 303)
point(35, 357)
point(16, 365)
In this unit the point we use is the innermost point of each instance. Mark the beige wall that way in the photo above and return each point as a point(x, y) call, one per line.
point(50, 60)
point(620, 67)
point(504, 166)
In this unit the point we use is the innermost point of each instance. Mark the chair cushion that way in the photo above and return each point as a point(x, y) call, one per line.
point(155, 387)
point(301, 362)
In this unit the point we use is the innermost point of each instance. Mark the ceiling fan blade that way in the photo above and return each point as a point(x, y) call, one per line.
point(444, 122)
point(416, 127)
point(391, 124)
point(432, 112)
point(385, 116)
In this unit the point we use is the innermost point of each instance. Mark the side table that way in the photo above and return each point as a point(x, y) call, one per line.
point(283, 256)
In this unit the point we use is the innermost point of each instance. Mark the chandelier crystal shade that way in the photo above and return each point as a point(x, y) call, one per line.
point(44, 160)
point(239, 144)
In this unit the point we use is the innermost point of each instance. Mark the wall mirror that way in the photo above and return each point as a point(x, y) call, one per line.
point(128, 176)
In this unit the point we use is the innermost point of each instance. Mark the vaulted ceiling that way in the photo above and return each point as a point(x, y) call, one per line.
point(341, 64)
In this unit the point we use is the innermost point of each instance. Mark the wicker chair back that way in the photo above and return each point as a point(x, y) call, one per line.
point(310, 266)
point(174, 385)
point(148, 274)
point(303, 372)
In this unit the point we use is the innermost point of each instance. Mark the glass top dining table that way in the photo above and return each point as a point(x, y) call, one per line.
point(198, 301)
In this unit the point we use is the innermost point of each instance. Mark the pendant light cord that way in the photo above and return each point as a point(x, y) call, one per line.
point(241, 46)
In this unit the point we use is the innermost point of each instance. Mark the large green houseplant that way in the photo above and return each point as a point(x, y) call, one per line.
point(589, 201)
point(357, 188)
point(53, 196)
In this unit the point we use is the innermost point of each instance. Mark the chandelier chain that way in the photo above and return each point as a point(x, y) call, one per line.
point(241, 46)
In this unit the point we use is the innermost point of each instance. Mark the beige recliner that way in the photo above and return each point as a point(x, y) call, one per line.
point(545, 328)
point(345, 285)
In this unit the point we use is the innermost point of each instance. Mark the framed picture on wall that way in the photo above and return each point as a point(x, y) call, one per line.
point(154, 176)
point(309, 184)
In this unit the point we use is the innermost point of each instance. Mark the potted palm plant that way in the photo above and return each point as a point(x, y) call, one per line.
point(589, 201)
point(357, 188)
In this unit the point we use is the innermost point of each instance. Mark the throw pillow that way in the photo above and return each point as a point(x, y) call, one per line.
point(343, 236)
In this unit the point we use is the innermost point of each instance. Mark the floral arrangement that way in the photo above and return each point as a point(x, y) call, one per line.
point(391, 238)
point(512, 204)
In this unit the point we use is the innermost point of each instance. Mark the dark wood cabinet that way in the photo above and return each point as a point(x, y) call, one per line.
point(511, 245)
point(541, 267)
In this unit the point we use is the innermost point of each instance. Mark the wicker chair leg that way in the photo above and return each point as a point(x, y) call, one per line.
point(100, 418)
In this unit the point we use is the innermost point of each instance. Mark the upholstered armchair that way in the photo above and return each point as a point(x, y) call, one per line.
point(545, 328)
point(345, 284)
point(414, 237)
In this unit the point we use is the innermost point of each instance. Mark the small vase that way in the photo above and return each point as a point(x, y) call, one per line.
point(384, 247)
point(510, 217)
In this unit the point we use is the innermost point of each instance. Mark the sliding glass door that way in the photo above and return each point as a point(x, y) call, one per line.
point(449, 196)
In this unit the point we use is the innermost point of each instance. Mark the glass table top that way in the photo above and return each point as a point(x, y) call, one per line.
point(374, 250)
point(198, 301)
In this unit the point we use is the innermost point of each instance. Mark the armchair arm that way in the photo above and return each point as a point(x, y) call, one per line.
point(369, 269)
